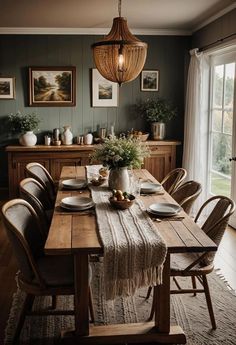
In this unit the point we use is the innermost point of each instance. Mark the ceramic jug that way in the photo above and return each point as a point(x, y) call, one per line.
point(67, 136)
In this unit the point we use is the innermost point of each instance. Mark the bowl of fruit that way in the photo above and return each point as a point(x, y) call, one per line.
point(142, 136)
point(121, 200)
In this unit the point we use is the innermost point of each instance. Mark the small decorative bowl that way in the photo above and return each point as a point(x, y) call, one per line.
point(98, 182)
point(141, 137)
point(122, 204)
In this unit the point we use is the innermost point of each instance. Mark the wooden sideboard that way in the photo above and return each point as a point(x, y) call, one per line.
point(161, 161)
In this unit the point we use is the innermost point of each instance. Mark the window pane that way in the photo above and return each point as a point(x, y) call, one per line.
point(221, 152)
point(217, 120)
point(228, 122)
point(229, 85)
point(218, 85)
point(220, 185)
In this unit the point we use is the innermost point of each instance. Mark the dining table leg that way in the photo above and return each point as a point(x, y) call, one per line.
point(81, 299)
point(162, 300)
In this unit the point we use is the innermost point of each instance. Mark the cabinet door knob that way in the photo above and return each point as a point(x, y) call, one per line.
point(232, 159)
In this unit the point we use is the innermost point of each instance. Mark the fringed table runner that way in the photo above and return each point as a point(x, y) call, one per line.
point(134, 252)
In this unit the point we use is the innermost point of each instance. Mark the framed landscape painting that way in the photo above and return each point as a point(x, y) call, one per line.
point(105, 92)
point(52, 86)
point(7, 88)
point(150, 80)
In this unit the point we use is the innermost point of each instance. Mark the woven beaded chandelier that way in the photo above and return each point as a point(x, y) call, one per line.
point(120, 57)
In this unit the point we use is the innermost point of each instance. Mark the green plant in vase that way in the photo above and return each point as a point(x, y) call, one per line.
point(24, 124)
point(157, 112)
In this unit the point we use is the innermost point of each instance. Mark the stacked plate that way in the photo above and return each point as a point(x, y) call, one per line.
point(164, 209)
point(74, 184)
point(150, 187)
point(77, 203)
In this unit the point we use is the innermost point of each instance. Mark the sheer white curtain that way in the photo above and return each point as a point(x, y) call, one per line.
point(195, 153)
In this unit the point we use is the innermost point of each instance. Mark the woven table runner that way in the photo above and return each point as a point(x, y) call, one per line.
point(134, 252)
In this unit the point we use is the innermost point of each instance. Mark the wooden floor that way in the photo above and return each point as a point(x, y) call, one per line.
point(225, 260)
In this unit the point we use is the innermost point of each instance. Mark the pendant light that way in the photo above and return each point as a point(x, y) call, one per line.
point(120, 57)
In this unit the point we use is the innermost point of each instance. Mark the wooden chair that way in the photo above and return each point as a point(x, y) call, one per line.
point(173, 179)
point(198, 265)
point(186, 194)
point(40, 274)
point(33, 192)
point(40, 173)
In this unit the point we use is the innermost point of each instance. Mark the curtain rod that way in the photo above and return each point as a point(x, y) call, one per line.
point(217, 41)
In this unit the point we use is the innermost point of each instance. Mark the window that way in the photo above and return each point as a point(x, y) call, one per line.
point(221, 124)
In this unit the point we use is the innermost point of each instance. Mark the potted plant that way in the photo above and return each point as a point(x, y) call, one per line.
point(156, 111)
point(24, 125)
point(119, 154)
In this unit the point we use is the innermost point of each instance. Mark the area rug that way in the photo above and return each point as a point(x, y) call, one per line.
point(188, 311)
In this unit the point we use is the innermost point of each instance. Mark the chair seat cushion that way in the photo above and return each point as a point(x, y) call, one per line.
point(57, 270)
point(180, 261)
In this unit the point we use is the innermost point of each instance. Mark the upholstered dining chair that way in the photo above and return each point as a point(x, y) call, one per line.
point(199, 265)
point(40, 173)
point(173, 179)
point(39, 274)
point(186, 194)
point(33, 192)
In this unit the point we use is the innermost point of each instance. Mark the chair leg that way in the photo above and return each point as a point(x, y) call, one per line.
point(153, 305)
point(27, 306)
point(194, 284)
point(149, 292)
point(91, 309)
point(208, 300)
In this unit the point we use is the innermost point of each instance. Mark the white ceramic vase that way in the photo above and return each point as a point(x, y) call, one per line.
point(119, 179)
point(158, 130)
point(88, 139)
point(67, 136)
point(28, 139)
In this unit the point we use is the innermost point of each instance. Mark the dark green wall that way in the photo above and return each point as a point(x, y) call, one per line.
point(214, 32)
point(18, 52)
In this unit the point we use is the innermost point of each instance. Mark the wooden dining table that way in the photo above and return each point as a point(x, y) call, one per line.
point(76, 233)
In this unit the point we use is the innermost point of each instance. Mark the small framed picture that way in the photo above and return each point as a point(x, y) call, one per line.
point(150, 80)
point(7, 88)
point(104, 92)
point(52, 86)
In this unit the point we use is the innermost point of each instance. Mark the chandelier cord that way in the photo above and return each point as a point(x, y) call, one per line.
point(119, 8)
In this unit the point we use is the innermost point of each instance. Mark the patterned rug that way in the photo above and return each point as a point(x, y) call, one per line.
point(190, 312)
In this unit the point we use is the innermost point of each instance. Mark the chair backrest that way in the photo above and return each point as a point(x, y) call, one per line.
point(217, 221)
point(173, 179)
point(186, 194)
point(33, 192)
point(23, 230)
point(40, 173)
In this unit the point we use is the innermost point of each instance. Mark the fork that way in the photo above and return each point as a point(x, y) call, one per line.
point(169, 219)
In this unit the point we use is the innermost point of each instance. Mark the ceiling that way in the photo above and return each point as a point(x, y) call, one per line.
point(90, 16)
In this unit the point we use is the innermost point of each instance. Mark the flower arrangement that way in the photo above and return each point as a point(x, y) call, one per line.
point(121, 152)
point(156, 110)
point(23, 123)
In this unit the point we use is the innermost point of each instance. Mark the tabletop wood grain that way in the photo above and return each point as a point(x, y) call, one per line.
point(78, 232)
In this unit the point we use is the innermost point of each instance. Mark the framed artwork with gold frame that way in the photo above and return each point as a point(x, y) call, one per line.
point(52, 86)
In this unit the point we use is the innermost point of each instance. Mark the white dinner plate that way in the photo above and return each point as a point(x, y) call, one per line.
point(77, 208)
point(77, 202)
point(149, 187)
point(74, 183)
point(164, 209)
